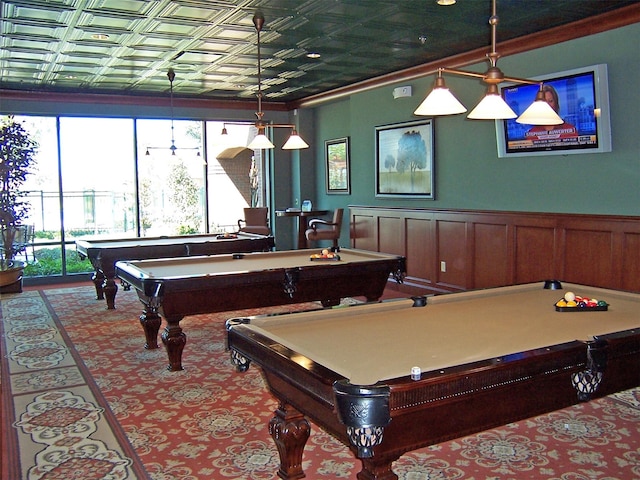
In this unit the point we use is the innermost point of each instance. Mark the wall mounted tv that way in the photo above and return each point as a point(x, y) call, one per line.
point(583, 101)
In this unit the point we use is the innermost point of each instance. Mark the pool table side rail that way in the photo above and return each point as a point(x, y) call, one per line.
point(193, 245)
point(215, 293)
point(457, 402)
point(251, 262)
point(134, 272)
point(486, 395)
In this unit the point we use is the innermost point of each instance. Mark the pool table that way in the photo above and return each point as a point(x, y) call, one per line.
point(103, 254)
point(395, 376)
point(177, 287)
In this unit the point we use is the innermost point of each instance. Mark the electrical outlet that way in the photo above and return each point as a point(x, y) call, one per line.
point(443, 266)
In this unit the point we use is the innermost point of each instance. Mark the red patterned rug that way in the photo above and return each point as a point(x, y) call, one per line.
point(82, 398)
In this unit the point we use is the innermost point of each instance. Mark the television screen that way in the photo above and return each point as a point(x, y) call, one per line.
point(581, 99)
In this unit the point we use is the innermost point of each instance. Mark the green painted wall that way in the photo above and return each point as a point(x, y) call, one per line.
point(469, 174)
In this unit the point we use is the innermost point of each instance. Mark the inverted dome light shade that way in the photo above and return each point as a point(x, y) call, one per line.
point(295, 142)
point(261, 142)
point(540, 113)
point(492, 107)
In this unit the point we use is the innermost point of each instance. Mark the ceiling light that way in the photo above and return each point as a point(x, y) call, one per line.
point(492, 107)
point(295, 142)
point(538, 112)
point(261, 141)
point(440, 101)
point(313, 55)
point(171, 75)
point(446, 2)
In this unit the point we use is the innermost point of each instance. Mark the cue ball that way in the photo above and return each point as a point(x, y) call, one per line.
point(569, 296)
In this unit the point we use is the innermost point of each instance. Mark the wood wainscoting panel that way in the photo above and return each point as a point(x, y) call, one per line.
point(363, 232)
point(420, 245)
point(535, 254)
point(391, 234)
point(588, 256)
point(451, 254)
point(452, 250)
point(630, 263)
point(491, 255)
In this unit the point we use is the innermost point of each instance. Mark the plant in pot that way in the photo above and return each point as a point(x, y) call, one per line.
point(17, 159)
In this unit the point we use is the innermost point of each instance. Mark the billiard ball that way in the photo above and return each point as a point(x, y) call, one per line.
point(569, 296)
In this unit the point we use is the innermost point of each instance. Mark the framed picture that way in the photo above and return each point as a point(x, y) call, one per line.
point(404, 160)
point(336, 154)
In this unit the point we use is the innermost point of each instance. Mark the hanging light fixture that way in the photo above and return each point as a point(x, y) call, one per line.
point(261, 141)
point(441, 101)
point(171, 75)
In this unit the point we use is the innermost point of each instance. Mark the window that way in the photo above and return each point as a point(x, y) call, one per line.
point(234, 175)
point(97, 166)
point(171, 181)
point(111, 187)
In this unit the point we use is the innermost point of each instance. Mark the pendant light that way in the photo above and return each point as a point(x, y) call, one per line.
point(441, 101)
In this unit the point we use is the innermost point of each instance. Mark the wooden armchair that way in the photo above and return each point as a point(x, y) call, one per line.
point(320, 229)
point(255, 221)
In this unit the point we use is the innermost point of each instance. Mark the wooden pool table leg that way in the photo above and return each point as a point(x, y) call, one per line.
point(174, 340)
point(150, 321)
point(110, 289)
point(290, 430)
point(98, 280)
point(376, 469)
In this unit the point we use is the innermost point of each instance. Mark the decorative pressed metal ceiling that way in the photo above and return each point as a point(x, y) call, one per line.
point(126, 47)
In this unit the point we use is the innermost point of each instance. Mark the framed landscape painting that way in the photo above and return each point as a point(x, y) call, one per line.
point(336, 154)
point(404, 160)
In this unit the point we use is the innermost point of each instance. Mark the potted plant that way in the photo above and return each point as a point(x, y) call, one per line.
point(17, 158)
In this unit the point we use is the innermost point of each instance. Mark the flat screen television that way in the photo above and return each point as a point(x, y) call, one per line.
point(583, 101)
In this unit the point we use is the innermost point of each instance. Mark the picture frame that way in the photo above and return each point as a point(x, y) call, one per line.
point(405, 164)
point(338, 168)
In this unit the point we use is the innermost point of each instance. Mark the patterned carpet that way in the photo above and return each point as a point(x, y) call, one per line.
point(82, 399)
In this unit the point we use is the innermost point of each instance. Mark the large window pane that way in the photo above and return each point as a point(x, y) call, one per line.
point(234, 174)
point(171, 180)
point(98, 181)
point(42, 192)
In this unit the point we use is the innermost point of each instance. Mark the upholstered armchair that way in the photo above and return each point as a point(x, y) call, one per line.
point(320, 229)
point(255, 221)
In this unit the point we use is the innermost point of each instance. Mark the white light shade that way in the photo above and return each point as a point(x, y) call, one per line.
point(492, 107)
point(260, 142)
point(440, 102)
point(295, 142)
point(540, 113)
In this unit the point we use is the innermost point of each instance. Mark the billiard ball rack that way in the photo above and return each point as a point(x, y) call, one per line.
point(584, 307)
